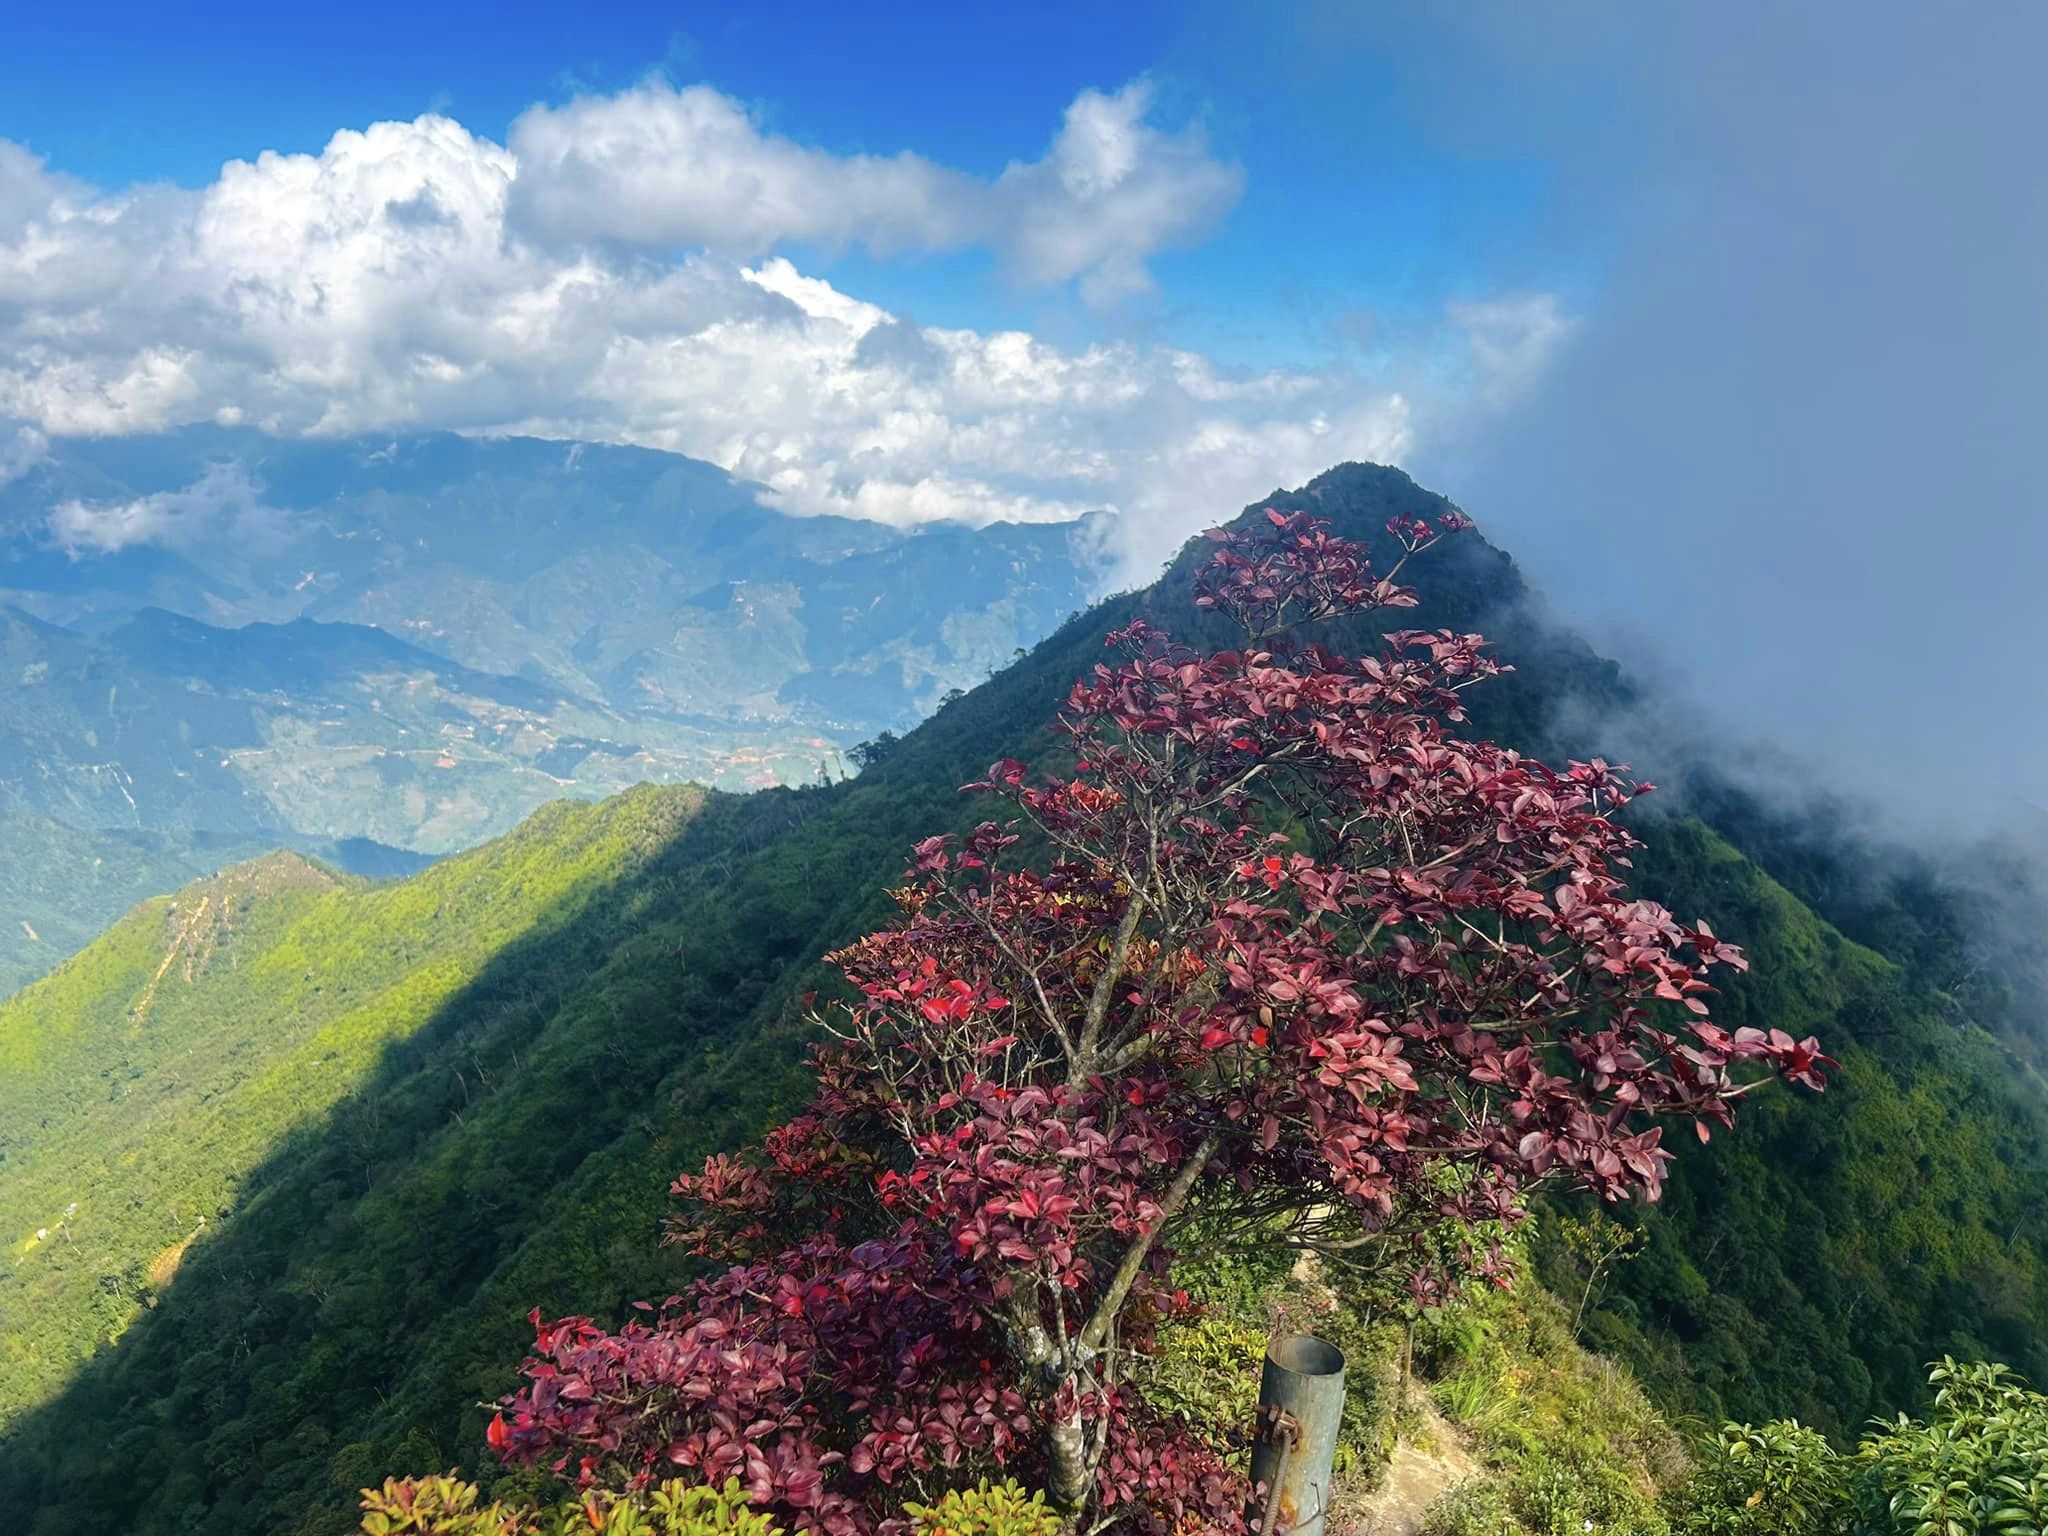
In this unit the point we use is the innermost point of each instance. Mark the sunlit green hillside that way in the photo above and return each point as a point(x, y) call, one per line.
point(143, 1082)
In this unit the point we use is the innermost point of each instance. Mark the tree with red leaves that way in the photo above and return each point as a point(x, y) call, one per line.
point(1281, 959)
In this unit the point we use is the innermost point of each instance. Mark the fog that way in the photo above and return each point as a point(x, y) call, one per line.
point(1786, 461)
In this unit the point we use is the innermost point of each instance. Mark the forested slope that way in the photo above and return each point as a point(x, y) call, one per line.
point(503, 1137)
point(61, 885)
point(1813, 1262)
point(142, 1082)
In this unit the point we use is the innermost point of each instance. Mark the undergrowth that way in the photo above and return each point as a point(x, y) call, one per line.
point(1569, 1442)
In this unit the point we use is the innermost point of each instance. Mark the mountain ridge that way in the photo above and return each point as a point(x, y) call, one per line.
point(511, 1148)
point(261, 653)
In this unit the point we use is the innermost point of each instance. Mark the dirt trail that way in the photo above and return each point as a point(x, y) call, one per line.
point(180, 944)
point(193, 935)
point(1426, 1464)
point(1424, 1467)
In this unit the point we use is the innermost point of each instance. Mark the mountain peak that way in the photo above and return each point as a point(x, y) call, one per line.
point(281, 869)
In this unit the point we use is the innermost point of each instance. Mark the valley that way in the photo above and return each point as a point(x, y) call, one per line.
point(213, 642)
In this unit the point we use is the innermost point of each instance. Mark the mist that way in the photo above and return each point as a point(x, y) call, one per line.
point(1785, 459)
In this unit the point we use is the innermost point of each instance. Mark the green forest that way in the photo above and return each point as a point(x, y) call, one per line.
point(285, 1159)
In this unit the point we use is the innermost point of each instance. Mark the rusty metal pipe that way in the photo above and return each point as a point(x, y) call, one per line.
point(1284, 1432)
point(1301, 1406)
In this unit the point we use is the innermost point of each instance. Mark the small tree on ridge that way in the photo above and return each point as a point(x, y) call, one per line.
point(1298, 964)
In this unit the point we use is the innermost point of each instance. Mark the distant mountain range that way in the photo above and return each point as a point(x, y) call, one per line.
point(645, 581)
point(214, 642)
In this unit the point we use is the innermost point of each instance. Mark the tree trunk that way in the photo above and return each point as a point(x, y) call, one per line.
point(1068, 1483)
point(1049, 1364)
point(1044, 1375)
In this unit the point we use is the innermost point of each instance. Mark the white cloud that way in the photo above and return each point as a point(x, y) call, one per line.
point(658, 166)
point(392, 282)
point(21, 450)
point(223, 500)
point(655, 165)
point(1111, 191)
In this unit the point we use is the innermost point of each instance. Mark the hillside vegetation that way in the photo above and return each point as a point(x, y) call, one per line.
point(142, 1083)
point(412, 1113)
point(61, 885)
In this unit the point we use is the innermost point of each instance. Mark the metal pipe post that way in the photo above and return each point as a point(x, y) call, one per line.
point(1301, 1405)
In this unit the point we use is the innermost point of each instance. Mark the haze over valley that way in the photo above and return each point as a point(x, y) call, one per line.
point(217, 641)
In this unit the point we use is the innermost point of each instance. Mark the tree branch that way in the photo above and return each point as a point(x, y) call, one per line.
point(1105, 987)
point(1134, 1256)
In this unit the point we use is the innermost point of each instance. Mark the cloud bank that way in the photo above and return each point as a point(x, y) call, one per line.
point(611, 272)
point(657, 166)
point(1791, 455)
point(223, 501)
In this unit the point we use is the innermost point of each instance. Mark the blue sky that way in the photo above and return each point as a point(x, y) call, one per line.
point(1708, 313)
point(1353, 206)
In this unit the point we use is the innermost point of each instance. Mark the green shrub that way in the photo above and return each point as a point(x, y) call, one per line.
point(1478, 1399)
point(1504, 1368)
point(1207, 1372)
point(1472, 1509)
point(1547, 1496)
point(1977, 1467)
point(1571, 1498)
point(431, 1506)
point(992, 1509)
point(676, 1510)
point(1781, 1479)
point(445, 1506)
